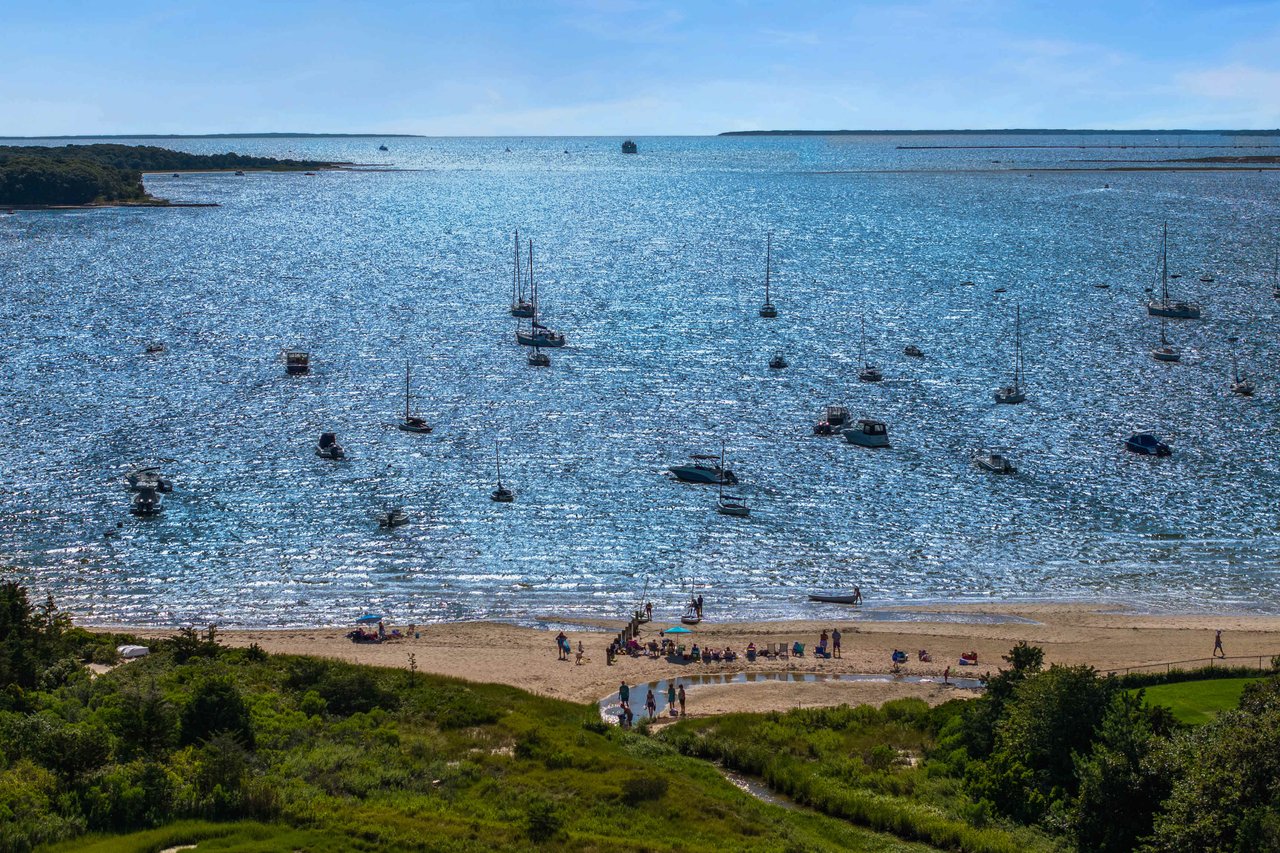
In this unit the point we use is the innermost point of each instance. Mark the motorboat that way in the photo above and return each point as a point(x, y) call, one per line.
point(537, 335)
point(768, 309)
point(836, 599)
point(155, 347)
point(1146, 444)
point(704, 469)
point(1165, 306)
point(147, 502)
point(538, 358)
point(328, 448)
point(834, 419)
point(628, 147)
point(392, 517)
point(520, 306)
point(502, 494)
point(1207, 279)
point(239, 173)
point(778, 362)
point(297, 362)
point(867, 433)
point(411, 422)
point(148, 477)
point(996, 463)
point(383, 148)
point(1166, 351)
point(913, 351)
point(1013, 392)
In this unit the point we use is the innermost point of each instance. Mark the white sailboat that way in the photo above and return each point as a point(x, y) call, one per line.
point(1164, 306)
point(734, 505)
point(1240, 382)
point(768, 309)
point(537, 334)
point(520, 307)
point(411, 422)
point(502, 494)
point(1275, 276)
point(1014, 392)
point(869, 372)
point(1166, 351)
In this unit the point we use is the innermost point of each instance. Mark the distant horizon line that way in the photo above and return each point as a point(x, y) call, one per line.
point(784, 132)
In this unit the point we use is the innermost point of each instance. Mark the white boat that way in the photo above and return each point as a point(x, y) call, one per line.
point(1165, 306)
point(328, 448)
point(996, 463)
point(147, 502)
point(778, 362)
point(393, 517)
point(768, 309)
point(734, 505)
point(868, 432)
point(520, 307)
point(869, 372)
point(537, 335)
point(1013, 392)
point(502, 494)
point(411, 422)
point(1240, 382)
point(1166, 351)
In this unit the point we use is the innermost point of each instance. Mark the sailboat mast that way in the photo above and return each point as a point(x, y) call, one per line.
point(406, 391)
point(1017, 346)
point(497, 463)
point(768, 262)
point(1164, 263)
point(533, 288)
point(515, 275)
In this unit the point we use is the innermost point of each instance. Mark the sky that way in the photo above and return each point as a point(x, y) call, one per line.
point(634, 67)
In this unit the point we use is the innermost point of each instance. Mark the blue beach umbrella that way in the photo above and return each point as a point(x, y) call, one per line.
point(369, 617)
point(678, 629)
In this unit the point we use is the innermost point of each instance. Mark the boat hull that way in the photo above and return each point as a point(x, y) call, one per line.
point(419, 429)
point(835, 599)
point(1173, 310)
point(862, 439)
point(548, 341)
point(703, 476)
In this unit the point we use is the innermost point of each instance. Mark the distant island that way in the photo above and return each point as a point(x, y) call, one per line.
point(1007, 131)
point(111, 174)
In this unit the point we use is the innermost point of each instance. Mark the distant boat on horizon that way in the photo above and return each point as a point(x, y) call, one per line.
point(629, 147)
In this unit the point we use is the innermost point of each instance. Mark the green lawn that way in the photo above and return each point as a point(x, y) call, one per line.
point(1196, 702)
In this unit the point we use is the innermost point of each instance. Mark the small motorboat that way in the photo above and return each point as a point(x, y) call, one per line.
point(155, 347)
point(834, 419)
point(239, 173)
point(836, 599)
point(1207, 279)
point(628, 147)
point(1001, 290)
point(147, 503)
point(297, 362)
point(310, 174)
point(1102, 287)
point(142, 478)
point(867, 433)
point(502, 494)
point(383, 148)
point(996, 463)
point(393, 517)
point(328, 448)
point(704, 469)
point(1146, 444)
point(966, 284)
point(913, 351)
point(176, 175)
point(538, 358)
point(778, 362)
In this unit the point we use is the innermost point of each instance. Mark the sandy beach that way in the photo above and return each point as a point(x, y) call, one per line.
point(1098, 635)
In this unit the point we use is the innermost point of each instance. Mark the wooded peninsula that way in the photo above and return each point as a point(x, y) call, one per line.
point(73, 175)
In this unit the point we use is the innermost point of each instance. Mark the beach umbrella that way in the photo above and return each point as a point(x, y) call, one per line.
point(678, 629)
point(369, 617)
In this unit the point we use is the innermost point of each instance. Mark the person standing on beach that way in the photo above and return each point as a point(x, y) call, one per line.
point(1217, 645)
point(581, 651)
point(699, 606)
point(561, 643)
point(648, 610)
point(651, 705)
point(624, 693)
point(671, 697)
point(857, 594)
point(946, 675)
point(680, 694)
point(835, 642)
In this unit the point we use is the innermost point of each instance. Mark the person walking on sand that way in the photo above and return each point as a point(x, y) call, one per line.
point(562, 643)
point(581, 651)
point(835, 642)
point(671, 698)
point(1217, 645)
point(946, 675)
point(651, 705)
point(680, 695)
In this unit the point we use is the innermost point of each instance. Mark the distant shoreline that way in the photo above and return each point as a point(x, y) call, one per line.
point(149, 202)
point(1004, 132)
point(223, 136)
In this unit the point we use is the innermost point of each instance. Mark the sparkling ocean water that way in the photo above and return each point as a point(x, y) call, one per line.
point(653, 265)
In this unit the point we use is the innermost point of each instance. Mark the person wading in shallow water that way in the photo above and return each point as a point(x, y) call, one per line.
point(1217, 645)
point(680, 693)
point(671, 697)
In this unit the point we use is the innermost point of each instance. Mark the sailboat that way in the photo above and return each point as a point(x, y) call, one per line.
point(1240, 382)
point(1164, 306)
point(520, 307)
point(869, 372)
point(1013, 393)
point(734, 505)
point(411, 422)
point(538, 358)
point(537, 335)
point(767, 309)
point(1275, 276)
point(502, 494)
point(1166, 351)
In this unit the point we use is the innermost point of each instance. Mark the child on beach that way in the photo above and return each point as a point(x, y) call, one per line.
point(651, 705)
point(581, 650)
point(671, 698)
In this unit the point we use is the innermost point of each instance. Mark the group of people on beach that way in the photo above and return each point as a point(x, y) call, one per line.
point(675, 694)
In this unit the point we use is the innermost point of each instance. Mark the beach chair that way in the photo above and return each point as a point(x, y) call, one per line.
point(782, 651)
point(798, 649)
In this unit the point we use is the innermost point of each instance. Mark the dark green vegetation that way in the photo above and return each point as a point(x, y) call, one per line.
point(108, 173)
point(240, 750)
point(1057, 758)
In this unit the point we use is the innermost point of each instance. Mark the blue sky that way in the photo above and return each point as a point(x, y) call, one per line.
point(634, 66)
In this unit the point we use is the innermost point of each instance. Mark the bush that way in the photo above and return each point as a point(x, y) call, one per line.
point(542, 820)
point(216, 707)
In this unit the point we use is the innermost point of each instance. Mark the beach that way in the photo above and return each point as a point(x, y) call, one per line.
point(1106, 637)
